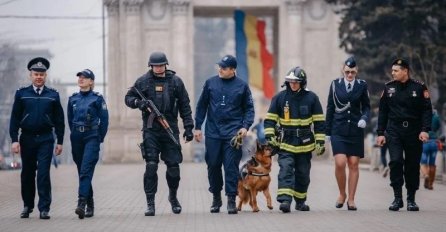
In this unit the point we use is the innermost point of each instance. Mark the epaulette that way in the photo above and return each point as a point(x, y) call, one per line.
point(23, 87)
point(97, 94)
point(390, 82)
point(53, 89)
point(74, 94)
point(359, 81)
point(419, 82)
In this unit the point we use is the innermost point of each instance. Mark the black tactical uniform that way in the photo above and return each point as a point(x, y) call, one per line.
point(404, 111)
point(170, 97)
point(295, 113)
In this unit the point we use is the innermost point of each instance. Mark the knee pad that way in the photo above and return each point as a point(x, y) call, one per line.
point(151, 168)
point(173, 171)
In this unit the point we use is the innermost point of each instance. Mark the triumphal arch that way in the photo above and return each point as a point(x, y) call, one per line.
point(304, 33)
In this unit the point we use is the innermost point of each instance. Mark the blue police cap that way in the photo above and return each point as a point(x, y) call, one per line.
point(350, 62)
point(86, 73)
point(38, 64)
point(228, 61)
point(401, 62)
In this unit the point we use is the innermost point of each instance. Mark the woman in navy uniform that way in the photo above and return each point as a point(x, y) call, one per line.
point(88, 122)
point(226, 103)
point(348, 110)
point(296, 110)
point(36, 111)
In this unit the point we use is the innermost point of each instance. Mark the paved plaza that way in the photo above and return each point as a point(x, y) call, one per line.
point(120, 205)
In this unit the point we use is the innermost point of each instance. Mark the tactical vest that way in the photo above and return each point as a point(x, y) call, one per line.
point(163, 94)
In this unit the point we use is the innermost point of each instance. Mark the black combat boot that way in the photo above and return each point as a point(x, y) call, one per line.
point(232, 209)
point(411, 205)
point(398, 201)
point(89, 211)
point(176, 207)
point(216, 203)
point(150, 211)
point(301, 206)
point(80, 210)
point(285, 206)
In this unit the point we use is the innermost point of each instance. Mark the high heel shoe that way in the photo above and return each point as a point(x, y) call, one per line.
point(351, 207)
point(339, 205)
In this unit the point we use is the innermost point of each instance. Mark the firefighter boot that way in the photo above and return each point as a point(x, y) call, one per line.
point(176, 207)
point(80, 209)
point(231, 205)
point(216, 203)
point(300, 205)
point(89, 211)
point(398, 201)
point(150, 211)
point(285, 206)
point(411, 205)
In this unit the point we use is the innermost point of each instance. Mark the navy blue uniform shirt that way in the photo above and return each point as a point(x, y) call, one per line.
point(37, 113)
point(227, 106)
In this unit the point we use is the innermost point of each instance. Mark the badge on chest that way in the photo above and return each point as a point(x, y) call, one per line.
point(159, 88)
point(391, 91)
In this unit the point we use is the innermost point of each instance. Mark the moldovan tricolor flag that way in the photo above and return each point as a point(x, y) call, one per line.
point(254, 60)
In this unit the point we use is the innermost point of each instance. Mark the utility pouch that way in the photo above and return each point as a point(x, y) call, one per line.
point(143, 151)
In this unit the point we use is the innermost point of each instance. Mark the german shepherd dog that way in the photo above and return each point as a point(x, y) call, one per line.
point(254, 177)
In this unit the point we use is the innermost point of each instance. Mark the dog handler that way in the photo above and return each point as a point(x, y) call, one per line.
point(294, 110)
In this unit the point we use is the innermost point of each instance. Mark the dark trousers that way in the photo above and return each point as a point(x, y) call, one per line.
point(85, 148)
point(158, 144)
point(405, 153)
point(36, 152)
point(294, 176)
point(220, 152)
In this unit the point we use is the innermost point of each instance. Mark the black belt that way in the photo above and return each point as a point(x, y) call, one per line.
point(36, 133)
point(296, 132)
point(405, 123)
point(85, 128)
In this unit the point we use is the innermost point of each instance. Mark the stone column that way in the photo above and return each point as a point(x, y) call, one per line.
point(181, 59)
point(291, 33)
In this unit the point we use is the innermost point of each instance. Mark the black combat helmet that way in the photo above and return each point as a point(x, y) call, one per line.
point(297, 74)
point(158, 58)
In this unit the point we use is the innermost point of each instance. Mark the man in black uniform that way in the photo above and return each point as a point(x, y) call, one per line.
point(405, 114)
point(36, 111)
point(168, 93)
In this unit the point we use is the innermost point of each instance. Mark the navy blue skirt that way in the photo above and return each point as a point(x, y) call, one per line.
point(351, 146)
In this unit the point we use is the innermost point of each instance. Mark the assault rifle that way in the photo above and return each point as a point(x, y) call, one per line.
point(155, 113)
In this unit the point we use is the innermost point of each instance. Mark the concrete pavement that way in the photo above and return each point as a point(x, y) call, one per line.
point(120, 205)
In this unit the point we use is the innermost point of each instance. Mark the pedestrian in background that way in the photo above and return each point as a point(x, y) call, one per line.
point(167, 92)
point(296, 110)
point(88, 121)
point(348, 110)
point(430, 149)
point(405, 115)
point(226, 104)
point(38, 114)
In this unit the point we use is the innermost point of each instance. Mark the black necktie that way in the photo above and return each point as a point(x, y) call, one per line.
point(349, 87)
point(38, 91)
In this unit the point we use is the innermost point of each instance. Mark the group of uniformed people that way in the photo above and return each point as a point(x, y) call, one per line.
point(295, 126)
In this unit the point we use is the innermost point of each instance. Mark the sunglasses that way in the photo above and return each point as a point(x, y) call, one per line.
point(350, 72)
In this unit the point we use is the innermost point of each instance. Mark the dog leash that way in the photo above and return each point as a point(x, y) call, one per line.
point(237, 141)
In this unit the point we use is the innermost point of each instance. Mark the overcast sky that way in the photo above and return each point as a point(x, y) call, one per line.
point(74, 44)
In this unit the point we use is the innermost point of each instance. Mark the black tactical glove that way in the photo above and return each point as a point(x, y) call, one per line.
point(188, 135)
point(142, 104)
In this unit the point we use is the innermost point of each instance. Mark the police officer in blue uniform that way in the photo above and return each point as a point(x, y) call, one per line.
point(405, 115)
point(226, 103)
point(88, 121)
point(38, 114)
point(294, 111)
point(348, 110)
point(166, 90)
